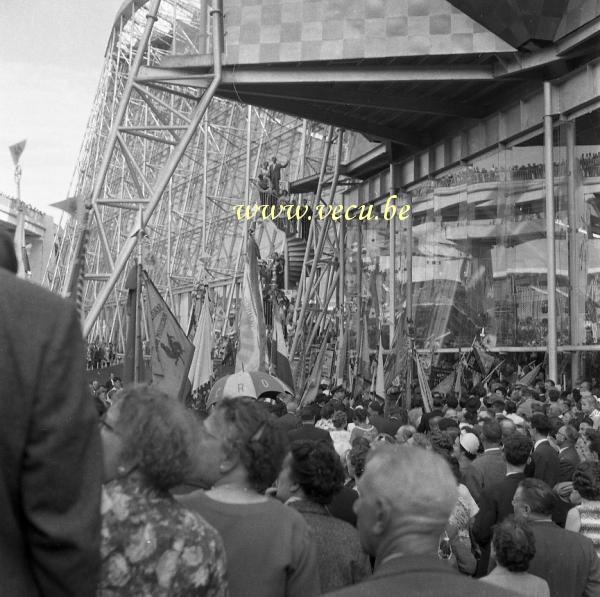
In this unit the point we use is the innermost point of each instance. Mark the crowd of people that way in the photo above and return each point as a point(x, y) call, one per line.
point(474, 174)
point(495, 492)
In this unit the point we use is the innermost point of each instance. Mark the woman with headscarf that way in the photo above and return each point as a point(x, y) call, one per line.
point(151, 545)
point(270, 551)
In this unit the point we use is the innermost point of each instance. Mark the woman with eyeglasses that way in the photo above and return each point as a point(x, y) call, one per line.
point(270, 551)
point(151, 545)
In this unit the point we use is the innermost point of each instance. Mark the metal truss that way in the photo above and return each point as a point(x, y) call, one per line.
point(174, 155)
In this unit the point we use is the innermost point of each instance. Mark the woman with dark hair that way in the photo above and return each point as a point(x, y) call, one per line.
point(361, 427)
point(585, 518)
point(325, 422)
point(270, 552)
point(311, 475)
point(513, 546)
point(339, 434)
point(151, 545)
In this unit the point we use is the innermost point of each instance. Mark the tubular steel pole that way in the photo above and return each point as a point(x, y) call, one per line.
point(166, 173)
point(409, 303)
point(550, 249)
point(311, 230)
point(309, 285)
point(574, 274)
point(392, 300)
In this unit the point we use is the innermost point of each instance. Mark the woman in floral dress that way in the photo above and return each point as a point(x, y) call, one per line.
point(151, 545)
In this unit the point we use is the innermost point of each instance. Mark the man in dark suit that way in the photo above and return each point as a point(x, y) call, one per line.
point(546, 464)
point(488, 468)
point(290, 420)
point(406, 497)
point(496, 503)
point(50, 453)
point(568, 458)
point(566, 560)
point(436, 413)
point(308, 430)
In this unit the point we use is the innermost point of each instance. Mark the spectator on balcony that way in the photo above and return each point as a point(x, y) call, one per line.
point(275, 173)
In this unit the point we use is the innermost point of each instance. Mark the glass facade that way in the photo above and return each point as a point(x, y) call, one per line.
point(479, 252)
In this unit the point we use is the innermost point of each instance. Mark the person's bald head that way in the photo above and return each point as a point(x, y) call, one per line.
point(405, 492)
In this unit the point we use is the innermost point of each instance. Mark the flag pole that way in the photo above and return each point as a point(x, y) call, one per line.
point(138, 355)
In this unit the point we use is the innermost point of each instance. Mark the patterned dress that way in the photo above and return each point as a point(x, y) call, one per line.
point(589, 514)
point(152, 546)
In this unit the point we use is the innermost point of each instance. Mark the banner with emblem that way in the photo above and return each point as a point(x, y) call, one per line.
point(172, 352)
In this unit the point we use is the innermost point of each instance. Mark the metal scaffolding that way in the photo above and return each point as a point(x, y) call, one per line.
point(178, 153)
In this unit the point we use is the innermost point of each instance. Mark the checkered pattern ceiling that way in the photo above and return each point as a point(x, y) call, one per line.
point(303, 30)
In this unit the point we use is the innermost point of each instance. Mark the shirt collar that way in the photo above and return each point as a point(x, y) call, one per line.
point(540, 441)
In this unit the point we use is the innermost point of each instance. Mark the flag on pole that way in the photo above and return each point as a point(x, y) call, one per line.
point(252, 330)
point(201, 369)
point(530, 377)
point(129, 364)
point(398, 361)
point(423, 384)
point(380, 376)
point(485, 361)
point(24, 269)
point(16, 150)
point(172, 352)
point(340, 361)
point(280, 362)
point(311, 388)
point(447, 384)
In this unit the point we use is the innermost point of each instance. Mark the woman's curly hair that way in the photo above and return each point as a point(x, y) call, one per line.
point(586, 480)
point(250, 429)
point(358, 458)
point(514, 544)
point(157, 435)
point(339, 419)
point(316, 467)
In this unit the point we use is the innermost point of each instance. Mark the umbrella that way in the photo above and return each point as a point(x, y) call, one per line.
point(245, 383)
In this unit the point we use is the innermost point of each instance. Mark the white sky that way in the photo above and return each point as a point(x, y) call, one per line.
point(51, 56)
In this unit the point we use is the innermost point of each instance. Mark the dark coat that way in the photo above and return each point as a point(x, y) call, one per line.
point(566, 560)
point(420, 576)
point(342, 505)
point(487, 469)
point(341, 559)
point(496, 505)
point(50, 453)
point(309, 432)
point(568, 460)
point(288, 422)
point(546, 465)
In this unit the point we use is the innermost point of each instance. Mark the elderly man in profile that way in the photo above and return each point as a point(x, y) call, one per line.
point(406, 497)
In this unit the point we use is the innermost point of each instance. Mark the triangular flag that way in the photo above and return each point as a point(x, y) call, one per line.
point(201, 369)
point(252, 330)
point(447, 384)
point(529, 378)
point(172, 352)
point(484, 359)
point(16, 150)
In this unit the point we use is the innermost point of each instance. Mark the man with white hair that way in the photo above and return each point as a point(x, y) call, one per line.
point(406, 496)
